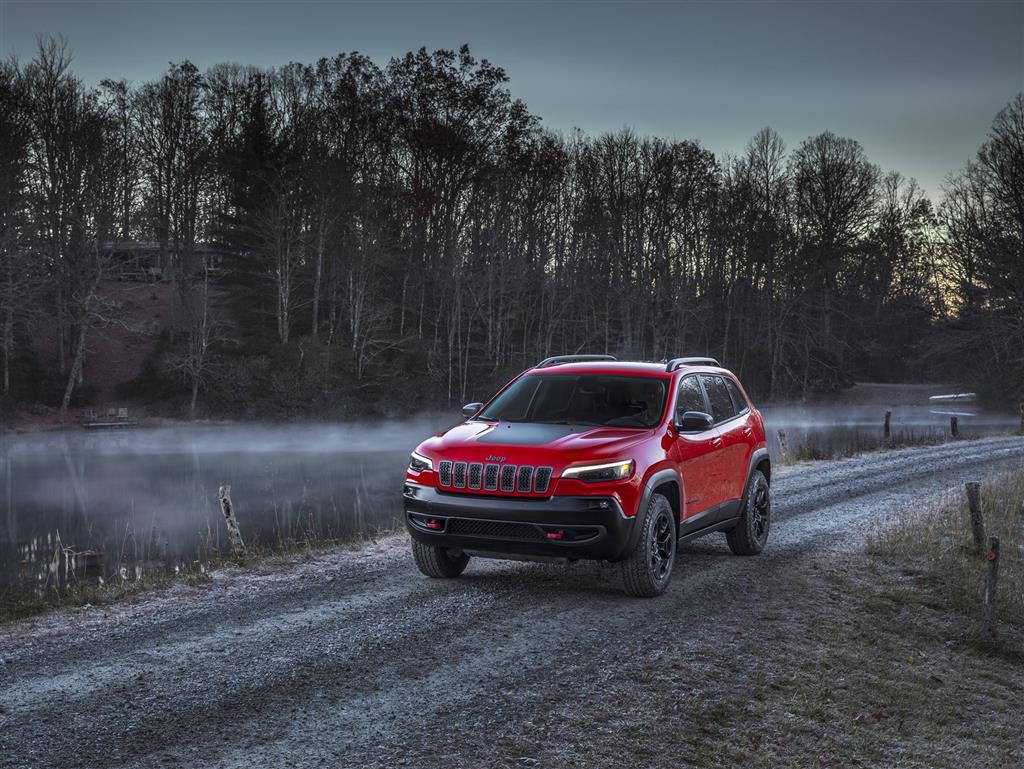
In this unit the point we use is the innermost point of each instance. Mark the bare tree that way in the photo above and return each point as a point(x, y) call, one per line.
point(204, 329)
point(68, 170)
point(16, 270)
point(174, 149)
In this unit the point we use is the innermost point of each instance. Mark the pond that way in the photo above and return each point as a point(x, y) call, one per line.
point(119, 505)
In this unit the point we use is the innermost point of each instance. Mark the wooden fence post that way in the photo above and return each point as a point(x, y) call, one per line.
point(782, 445)
point(954, 427)
point(988, 617)
point(234, 533)
point(974, 506)
point(888, 425)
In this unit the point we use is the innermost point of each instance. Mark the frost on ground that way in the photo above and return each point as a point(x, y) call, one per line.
point(813, 654)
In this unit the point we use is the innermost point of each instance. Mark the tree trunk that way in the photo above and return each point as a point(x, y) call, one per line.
point(76, 368)
point(61, 327)
point(317, 273)
point(8, 343)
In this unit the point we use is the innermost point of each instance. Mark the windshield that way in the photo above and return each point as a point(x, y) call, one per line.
point(581, 399)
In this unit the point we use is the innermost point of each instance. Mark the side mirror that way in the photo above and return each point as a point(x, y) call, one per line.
point(696, 422)
point(471, 409)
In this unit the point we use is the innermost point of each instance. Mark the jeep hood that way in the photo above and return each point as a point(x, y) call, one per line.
point(557, 444)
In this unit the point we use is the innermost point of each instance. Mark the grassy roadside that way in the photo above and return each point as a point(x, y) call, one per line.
point(936, 546)
point(803, 446)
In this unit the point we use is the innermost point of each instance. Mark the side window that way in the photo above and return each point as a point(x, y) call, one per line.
point(738, 401)
point(690, 396)
point(718, 396)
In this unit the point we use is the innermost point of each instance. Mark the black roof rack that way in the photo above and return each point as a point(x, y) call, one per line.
point(558, 360)
point(676, 363)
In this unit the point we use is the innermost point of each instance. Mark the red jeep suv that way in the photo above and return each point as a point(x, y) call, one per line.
point(584, 456)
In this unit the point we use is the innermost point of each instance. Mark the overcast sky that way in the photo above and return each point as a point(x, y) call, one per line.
point(917, 83)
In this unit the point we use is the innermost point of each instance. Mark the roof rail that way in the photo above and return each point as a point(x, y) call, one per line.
point(558, 360)
point(676, 363)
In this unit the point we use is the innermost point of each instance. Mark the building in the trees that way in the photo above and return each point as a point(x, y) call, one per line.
point(145, 260)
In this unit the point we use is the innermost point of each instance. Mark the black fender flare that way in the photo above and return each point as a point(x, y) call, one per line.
point(759, 456)
point(656, 479)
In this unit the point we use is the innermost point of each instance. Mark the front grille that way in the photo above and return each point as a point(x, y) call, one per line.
point(508, 478)
point(494, 529)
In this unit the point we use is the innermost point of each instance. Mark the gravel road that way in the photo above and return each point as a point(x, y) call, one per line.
point(354, 659)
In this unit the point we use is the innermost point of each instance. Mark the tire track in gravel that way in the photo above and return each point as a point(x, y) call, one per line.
point(317, 670)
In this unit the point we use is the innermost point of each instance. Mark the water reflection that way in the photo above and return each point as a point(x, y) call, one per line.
point(120, 505)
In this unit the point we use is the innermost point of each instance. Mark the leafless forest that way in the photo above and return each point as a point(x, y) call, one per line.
point(347, 238)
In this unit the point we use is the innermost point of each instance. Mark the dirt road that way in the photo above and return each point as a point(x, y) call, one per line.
point(354, 659)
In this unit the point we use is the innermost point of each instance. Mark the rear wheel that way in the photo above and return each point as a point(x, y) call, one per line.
point(648, 569)
point(439, 562)
point(750, 535)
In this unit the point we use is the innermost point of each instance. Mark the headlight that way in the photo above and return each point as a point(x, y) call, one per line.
point(418, 463)
point(612, 471)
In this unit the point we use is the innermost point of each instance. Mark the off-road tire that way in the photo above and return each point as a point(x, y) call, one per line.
point(648, 568)
point(438, 562)
point(750, 535)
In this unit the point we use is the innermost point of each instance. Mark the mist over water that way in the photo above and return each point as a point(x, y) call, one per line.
point(118, 505)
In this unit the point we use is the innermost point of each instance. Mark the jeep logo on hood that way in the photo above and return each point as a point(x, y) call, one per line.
point(495, 459)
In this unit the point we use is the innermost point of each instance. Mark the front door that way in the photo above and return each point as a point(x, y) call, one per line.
point(695, 452)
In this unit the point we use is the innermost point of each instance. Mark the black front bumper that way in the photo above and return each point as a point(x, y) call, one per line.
point(558, 527)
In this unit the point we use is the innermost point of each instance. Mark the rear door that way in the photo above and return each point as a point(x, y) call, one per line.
point(743, 430)
point(731, 459)
point(694, 452)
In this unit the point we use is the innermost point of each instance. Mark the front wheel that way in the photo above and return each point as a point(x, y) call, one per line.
point(648, 569)
point(750, 535)
point(439, 562)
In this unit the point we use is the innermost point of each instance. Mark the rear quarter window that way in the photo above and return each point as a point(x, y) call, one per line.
point(738, 401)
point(719, 398)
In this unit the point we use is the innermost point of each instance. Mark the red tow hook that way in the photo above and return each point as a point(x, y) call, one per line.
point(556, 534)
point(433, 523)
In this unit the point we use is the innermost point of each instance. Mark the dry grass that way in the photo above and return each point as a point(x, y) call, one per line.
point(936, 542)
point(840, 662)
point(813, 446)
point(74, 591)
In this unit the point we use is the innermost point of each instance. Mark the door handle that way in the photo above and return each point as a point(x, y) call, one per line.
point(748, 431)
point(716, 442)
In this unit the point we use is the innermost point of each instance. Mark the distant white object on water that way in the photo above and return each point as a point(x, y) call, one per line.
point(953, 400)
point(957, 398)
